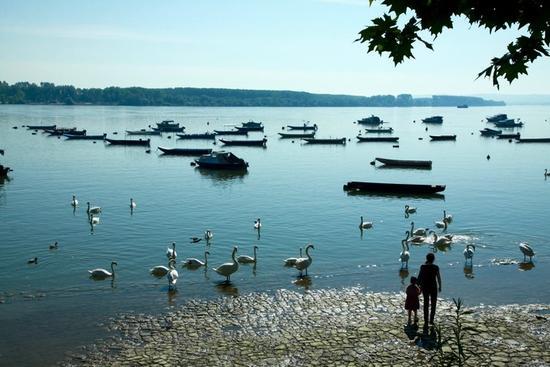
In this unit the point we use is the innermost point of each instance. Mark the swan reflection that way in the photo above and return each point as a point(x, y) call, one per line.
point(526, 266)
point(227, 289)
point(304, 281)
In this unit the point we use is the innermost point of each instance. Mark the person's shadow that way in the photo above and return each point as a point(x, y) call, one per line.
point(412, 331)
point(428, 339)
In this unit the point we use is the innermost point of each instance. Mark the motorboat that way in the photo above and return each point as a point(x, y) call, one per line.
point(221, 160)
point(433, 120)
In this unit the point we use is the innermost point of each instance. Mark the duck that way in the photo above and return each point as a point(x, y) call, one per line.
point(102, 273)
point(469, 252)
point(440, 241)
point(291, 261)
point(364, 225)
point(172, 276)
point(208, 235)
point(546, 173)
point(193, 262)
point(74, 201)
point(159, 270)
point(53, 246)
point(418, 231)
point(447, 217)
point(404, 255)
point(34, 260)
point(171, 252)
point(257, 224)
point(409, 209)
point(93, 209)
point(527, 251)
point(195, 239)
point(132, 204)
point(303, 263)
point(245, 259)
point(227, 269)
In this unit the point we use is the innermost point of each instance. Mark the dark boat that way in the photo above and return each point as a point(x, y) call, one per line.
point(442, 137)
point(4, 171)
point(303, 127)
point(325, 141)
point(169, 129)
point(221, 160)
point(533, 140)
point(206, 136)
point(247, 143)
point(508, 123)
point(140, 142)
point(231, 132)
point(378, 139)
point(498, 117)
point(371, 120)
point(251, 126)
point(297, 136)
point(380, 130)
point(142, 132)
point(490, 132)
point(185, 151)
point(433, 120)
point(405, 163)
point(462, 106)
point(84, 137)
point(64, 130)
point(382, 187)
point(41, 127)
point(509, 136)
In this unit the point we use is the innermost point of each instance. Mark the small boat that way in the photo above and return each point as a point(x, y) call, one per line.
point(462, 106)
point(140, 142)
point(64, 130)
point(185, 151)
point(371, 120)
point(377, 139)
point(382, 187)
point(325, 141)
point(4, 171)
point(143, 132)
point(533, 140)
point(303, 127)
point(509, 136)
point(231, 132)
point(405, 163)
point(442, 137)
point(490, 132)
point(251, 126)
point(433, 120)
point(84, 137)
point(169, 129)
point(167, 124)
point(41, 127)
point(380, 130)
point(247, 143)
point(498, 117)
point(508, 123)
point(205, 136)
point(297, 135)
point(221, 160)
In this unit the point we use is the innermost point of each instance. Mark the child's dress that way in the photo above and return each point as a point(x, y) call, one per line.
point(412, 302)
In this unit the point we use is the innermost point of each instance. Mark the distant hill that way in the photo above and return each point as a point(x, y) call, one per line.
point(49, 93)
point(521, 99)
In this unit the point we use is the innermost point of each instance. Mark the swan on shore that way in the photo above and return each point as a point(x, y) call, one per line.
point(364, 225)
point(171, 253)
point(527, 251)
point(227, 269)
point(304, 262)
point(194, 262)
point(245, 259)
point(102, 273)
point(291, 261)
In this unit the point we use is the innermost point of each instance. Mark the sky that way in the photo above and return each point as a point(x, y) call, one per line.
point(302, 45)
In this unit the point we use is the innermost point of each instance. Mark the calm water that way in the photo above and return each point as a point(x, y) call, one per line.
point(52, 307)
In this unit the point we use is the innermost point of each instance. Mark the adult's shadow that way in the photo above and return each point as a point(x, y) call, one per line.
point(428, 339)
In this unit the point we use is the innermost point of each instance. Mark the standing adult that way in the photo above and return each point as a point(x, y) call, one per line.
point(429, 280)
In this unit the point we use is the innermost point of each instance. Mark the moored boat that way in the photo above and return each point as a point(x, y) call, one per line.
point(251, 126)
point(64, 130)
point(143, 132)
point(304, 127)
point(371, 120)
point(41, 127)
point(84, 137)
point(462, 106)
point(140, 142)
point(442, 137)
point(377, 139)
point(325, 141)
point(169, 129)
point(509, 136)
point(248, 143)
point(508, 123)
point(380, 130)
point(221, 160)
point(231, 132)
point(205, 136)
point(533, 140)
point(382, 187)
point(433, 120)
point(185, 151)
point(405, 163)
point(297, 136)
point(497, 117)
point(490, 132)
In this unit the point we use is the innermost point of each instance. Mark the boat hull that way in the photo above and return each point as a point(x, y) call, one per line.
point(245, 143)
point(394, 188)
point(341, 141)
point(140, 142)
point(142, 132)
point(302, 127)
point(533, 140)
point(296, 136)
point(442, 137)
point(41, 127)
point(230, 132)
point(84, 137)
point(185, 151)
point(378, 139)
point(405, 163)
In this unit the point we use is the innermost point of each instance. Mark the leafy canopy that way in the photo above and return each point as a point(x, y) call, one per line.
point(396, 31)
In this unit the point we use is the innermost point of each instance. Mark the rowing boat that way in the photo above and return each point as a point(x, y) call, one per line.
point(140, 142)
point(185, 151)
point(442, 137)
point(297, 136)
point(382, 187)
point(325, 141)
point(405, 163)
point(247, 143)
point(378, 139)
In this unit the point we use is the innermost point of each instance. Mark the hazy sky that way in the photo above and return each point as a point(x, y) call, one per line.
point(280, 44)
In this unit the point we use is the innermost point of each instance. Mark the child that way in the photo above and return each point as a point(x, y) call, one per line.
point(412, 303)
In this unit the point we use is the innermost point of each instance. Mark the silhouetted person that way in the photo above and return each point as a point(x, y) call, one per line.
point(412, 303)
point(429, 280)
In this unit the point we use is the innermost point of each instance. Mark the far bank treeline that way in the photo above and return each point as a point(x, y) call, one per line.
point(49, 93)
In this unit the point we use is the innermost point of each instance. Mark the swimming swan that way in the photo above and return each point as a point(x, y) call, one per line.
point(469, 252)
point(440, 241)
point(418, 231)
point(415, 239)
point(171, 253)
point(245, 259)
point(227, 269)
point(132, 204)
point(54, 246)
point(102, 273)
point(409, 209)
point(304, 262)
point(172, 275)
point(93, 209)
point(208, 235)
point(447, 217)
point(159, 270)
point(74, 202)
point(291, 261)
point(257, 224)
point(193, 262)
point(364, 225)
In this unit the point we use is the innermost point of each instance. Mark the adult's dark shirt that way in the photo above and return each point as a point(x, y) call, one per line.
point(427, 277)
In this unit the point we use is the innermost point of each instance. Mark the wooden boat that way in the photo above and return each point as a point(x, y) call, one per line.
point(303, 127)
point(498, 117)
point(508, 123)
point(371, 120)
point(84, 137)
point(251, 126)
point(247, 143)
point(205, 136)
point(143, 132)
point(169, 129)
point(64, 130)
point(382, 187)
point(377, 139)
point(442, 137)
point(433, 120)
point(325, 141)
point(509, 136)
point(533, 140)
point(490, 132)
point(405, 163)
point(221, 160)
point(140, 142)
point(185, 151)
point(380, 130)
point(231, 132)
point(41, 127)
point(297, 136)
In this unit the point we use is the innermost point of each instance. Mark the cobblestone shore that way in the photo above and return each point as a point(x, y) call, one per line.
point(344, 327)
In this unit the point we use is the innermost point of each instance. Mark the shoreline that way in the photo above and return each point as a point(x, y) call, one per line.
point(322, 327)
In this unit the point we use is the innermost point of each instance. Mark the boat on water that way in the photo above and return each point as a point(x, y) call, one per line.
point(129, 142)
point(462, 106)
point(509, 136)
point(205, 136)
point(41, 127)
point(84, 137)
point(247, 143)
point(340, 141)
point(442, 137)
point(377, 139)
point(297, 135)
point(231, 132)
point(380, 130)
point(497, 117)
point(404, 163)
point(490, 132)
point(221, 160)
point(508, 123)
point(433, 120)
point(303, 127)
point(185, 151)
point(64, 130)
point(4, 171)
point(143, 132)
point(170, 129)
point(533, 140)
point(251, 126)
point(371, 120)
point(395, 188)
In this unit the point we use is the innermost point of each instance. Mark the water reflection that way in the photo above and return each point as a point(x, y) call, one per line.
point(403, 274)
point(468, 271)
point(394, 195)
point(526, 266)
point(304, 282)
point(222, 176)
point(227, 289)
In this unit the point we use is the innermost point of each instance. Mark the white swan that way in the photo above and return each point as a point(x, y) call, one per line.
point(527, 251)
point(440, 241)
point(74, 202)
point(364, 225)
point(418, 231)
point(469, 252)
point(208, 235)
point(227, 269)
point(94, 220)
point(258, 224)
point(415, 239)
point(171, 252)
point(102, 273)
point(409, 209)
point(291, 261)
point(172, 275)
point(54, 246)
point(245, 259)
point(93, 209)
point(159, 270)
point(304, 262)
point(193, 262)
point(447, 217)
point(404, 256)
point(441, 224)
point(132, 204)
